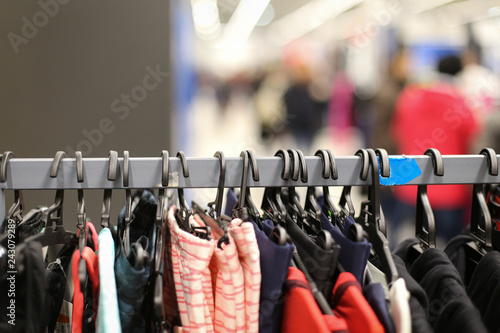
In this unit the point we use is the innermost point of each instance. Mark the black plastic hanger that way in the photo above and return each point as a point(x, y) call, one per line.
point(158, 309)
point(81, 217)
point(371, 220)
point(106, 202)
point(427, 238)
point(345, 202)
point(295, 209)
point(329, 170)
point(483, 237)
point(216, 206)
point(54, 215)
point(129, 216)
point(272, 204)
point(245, 201)
point(16, 210)
point(183, 212)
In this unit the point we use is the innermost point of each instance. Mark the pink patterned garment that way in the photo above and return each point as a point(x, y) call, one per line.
point(190, 259)
point(249, 256)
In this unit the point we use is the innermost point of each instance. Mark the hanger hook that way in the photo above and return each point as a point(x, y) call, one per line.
point(56, 162)
point(294, 156)
point(253, 164)
point(323, 155)
point(220, 188)
point(303, 166)
point(285, 171)
point(384, 162)
point(333, 165)
point(492, 161)
point(185, 169)
point(365, 163)
point(3, 165)
point(437, 161)
point(126, 168)
point(164, 168)
point(79, 166)
point(112, 165)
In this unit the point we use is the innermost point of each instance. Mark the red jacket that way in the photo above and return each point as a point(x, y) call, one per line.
point(434, 117)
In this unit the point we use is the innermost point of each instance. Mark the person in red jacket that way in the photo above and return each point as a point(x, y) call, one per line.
point(435, 116)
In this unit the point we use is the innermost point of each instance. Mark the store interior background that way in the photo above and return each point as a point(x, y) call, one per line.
point(218, 54)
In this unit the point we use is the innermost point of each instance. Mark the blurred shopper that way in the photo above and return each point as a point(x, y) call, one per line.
point(303, 113)
point(268, 101)
point(384, 104)
point(435, 116)
point(482, 92)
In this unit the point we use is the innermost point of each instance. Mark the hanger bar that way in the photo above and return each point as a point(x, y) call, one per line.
point(145, 172)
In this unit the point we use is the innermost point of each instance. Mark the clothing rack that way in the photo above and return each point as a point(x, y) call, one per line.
point(145, 172)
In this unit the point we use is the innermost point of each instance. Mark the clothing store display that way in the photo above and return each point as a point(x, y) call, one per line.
point(290, 266)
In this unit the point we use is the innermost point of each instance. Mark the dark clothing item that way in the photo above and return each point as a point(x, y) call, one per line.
point(484, 290)
point(455, 249)
point(27, 290)
point(132, 283)
point(55, 286)
point(319, 262)
point(450, 308)
point(403, 251)
point(274, 269)
point(353, 255)
point(419, 303)
point(374, 294)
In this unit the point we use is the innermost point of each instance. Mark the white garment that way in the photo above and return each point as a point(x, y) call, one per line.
point(400, 306)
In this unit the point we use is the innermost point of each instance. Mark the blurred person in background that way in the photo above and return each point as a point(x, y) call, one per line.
point(434, 116)
point(384, 104)
point(269, 104)
point(303, 112)
point(482, 92)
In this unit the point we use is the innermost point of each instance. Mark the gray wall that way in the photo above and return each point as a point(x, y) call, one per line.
point(66, 73)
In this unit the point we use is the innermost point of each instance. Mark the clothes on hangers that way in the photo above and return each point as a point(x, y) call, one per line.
point(319, 262)
point(190, 260)
point(85, 301)
point(450, 309)
point(353, 255)
point(29, 289)
point(484, 290)
point(132, 281)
